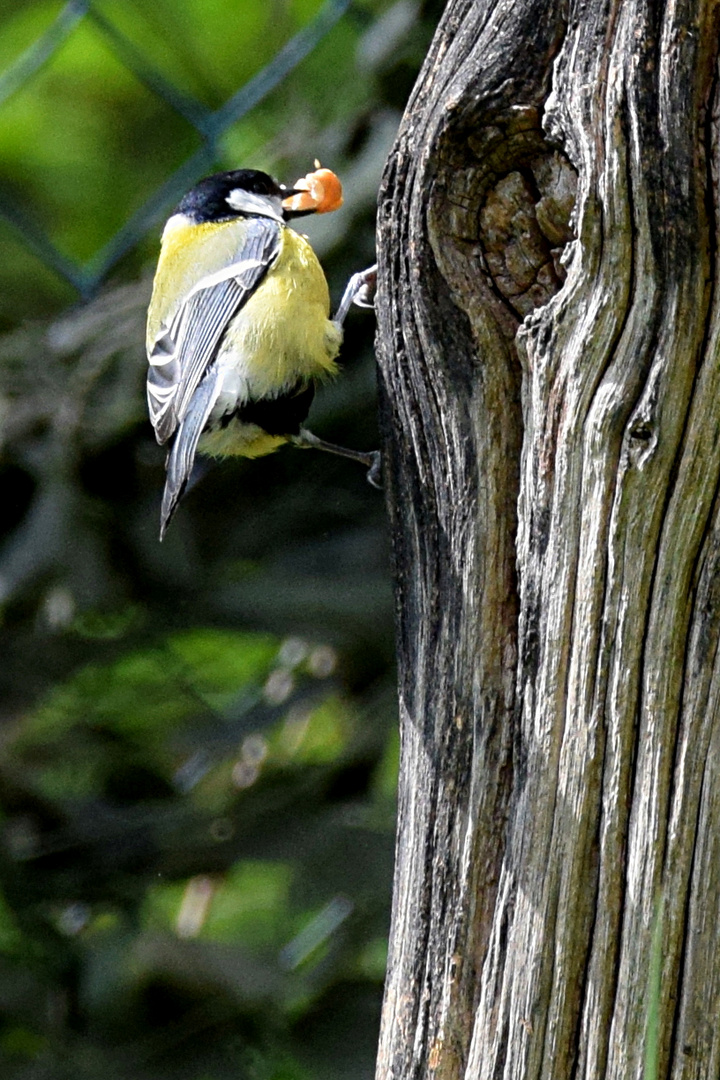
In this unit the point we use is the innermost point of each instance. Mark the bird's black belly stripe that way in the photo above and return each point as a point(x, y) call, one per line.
point(277, 416)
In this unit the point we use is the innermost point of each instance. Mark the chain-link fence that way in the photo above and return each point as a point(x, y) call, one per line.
point(210, 124)
point(198, 749)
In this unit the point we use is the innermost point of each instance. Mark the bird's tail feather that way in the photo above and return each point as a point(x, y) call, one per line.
point(181, 457)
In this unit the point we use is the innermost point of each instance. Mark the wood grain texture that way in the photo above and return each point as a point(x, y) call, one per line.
point(550, 372)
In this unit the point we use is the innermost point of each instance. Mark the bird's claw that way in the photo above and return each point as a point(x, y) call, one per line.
point(374, 473)
point(360, 291)
point(364, 286)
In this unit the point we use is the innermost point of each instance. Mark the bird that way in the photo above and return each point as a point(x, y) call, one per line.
point(239, 330)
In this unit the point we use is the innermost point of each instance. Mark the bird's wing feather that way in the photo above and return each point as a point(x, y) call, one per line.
point(182, 456)
point(188, 342)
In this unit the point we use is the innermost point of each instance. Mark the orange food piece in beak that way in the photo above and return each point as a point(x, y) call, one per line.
point(319, 191)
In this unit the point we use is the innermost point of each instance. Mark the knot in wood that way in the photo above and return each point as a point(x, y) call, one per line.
point(524, 226)
point(514, 204)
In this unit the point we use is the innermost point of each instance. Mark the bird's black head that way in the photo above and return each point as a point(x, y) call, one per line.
point(222, 196)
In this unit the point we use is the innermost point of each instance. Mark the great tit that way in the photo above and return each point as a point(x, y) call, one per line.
point(238, 330)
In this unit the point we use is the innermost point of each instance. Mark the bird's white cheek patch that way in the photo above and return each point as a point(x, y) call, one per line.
point(248, 203)
point(176, 222)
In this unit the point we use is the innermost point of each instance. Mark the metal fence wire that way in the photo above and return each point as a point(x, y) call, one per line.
point(86, 277)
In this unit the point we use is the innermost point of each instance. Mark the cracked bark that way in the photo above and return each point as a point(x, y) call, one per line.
point(549, 349)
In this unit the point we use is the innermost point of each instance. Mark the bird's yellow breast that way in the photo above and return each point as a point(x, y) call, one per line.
point(282, 334)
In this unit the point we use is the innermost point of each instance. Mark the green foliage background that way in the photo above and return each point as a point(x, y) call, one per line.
point(198, 749)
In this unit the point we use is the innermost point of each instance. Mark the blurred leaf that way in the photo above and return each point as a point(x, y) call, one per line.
point(10, 936)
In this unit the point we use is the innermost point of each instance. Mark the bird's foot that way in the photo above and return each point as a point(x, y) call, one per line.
point(374, 473)
point(371, 459)
point(360, 291)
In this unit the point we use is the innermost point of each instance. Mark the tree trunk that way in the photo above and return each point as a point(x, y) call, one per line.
point(548, 324)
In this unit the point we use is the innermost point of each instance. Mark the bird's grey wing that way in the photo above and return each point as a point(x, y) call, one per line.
point(181, 457)
point(186, 347)
point(188, 343)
